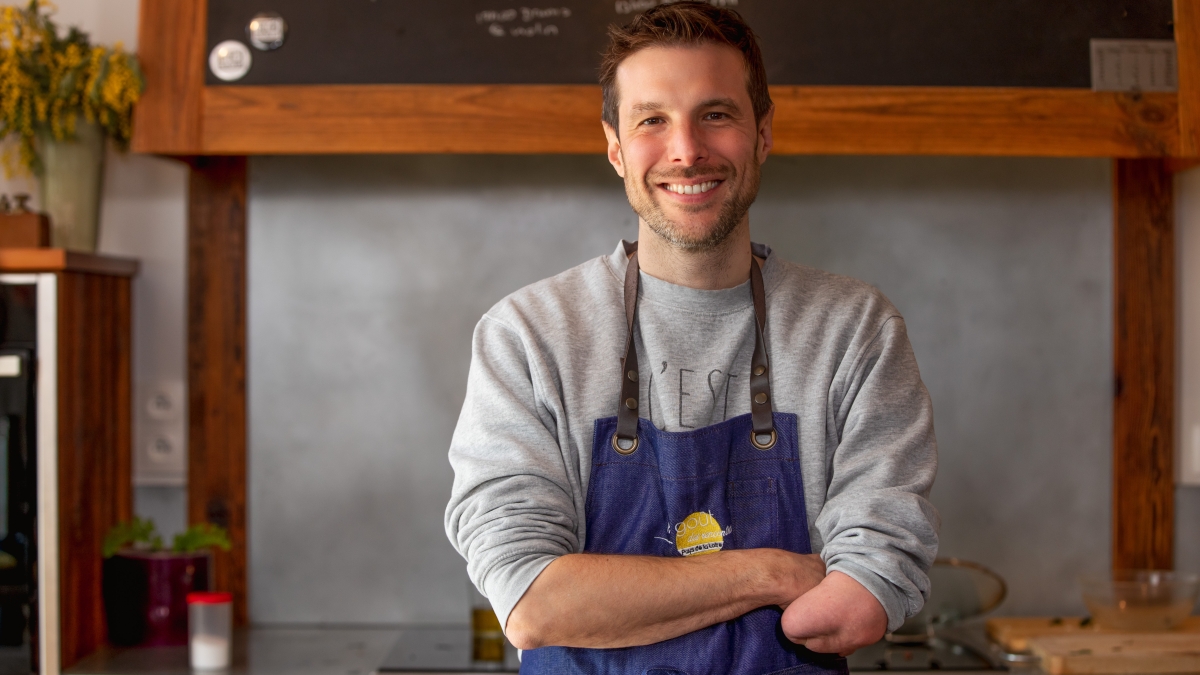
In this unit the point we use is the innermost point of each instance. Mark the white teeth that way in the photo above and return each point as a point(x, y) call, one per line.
point(692, 189)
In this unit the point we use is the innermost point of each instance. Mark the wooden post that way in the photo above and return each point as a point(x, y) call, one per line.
point(1187, 45)
point(1144, 359)
point(217, 361)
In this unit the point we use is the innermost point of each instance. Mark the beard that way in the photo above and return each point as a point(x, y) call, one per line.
point(743, 189)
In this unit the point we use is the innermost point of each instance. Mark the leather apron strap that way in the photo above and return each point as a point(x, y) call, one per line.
point(763, 436)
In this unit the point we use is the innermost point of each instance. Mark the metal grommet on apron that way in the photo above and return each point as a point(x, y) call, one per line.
point(763, 436)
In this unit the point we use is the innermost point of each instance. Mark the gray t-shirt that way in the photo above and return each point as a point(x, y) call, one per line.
point(546, 363)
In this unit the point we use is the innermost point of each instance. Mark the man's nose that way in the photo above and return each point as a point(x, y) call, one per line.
point(687, 146)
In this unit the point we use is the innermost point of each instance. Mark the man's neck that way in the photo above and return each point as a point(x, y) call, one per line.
point(724, 266)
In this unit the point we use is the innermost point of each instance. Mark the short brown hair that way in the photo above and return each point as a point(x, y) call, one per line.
point(686, 23)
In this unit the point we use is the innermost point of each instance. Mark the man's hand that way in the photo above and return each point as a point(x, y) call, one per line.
point(605, 601)
point(837, 617)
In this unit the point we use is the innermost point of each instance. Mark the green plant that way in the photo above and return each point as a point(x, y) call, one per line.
point(49, 80)
point(137, 533)
point(200, 537)
point(142, 534)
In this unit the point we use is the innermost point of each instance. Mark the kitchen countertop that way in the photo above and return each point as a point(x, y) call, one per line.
point(281, 650)
point(270, 650)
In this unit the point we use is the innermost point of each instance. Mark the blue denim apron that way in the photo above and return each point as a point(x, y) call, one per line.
point(733, 485)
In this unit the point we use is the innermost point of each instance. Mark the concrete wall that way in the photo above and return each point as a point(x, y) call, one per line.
point(368, 274)
point(1187, 204)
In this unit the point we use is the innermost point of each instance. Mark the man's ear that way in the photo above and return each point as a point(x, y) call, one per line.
point(766, 139)
point(614, 149)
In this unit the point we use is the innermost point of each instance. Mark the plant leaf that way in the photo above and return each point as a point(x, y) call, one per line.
point(200, 537)
point(136, 531)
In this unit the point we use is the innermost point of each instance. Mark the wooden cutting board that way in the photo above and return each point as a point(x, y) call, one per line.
point(1013, 633)
point(1118, 653)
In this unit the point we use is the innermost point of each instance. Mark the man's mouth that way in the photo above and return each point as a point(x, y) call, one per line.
point(698, 188)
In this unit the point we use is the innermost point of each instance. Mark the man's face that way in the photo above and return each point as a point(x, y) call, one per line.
point(688, 146)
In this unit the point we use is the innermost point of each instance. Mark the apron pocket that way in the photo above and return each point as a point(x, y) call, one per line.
point(754, 513)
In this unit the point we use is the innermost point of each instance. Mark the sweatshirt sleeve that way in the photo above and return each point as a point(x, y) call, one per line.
point(877, 523)
point(508, 525)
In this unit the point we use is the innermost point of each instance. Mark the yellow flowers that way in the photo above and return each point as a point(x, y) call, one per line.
point(48, 80)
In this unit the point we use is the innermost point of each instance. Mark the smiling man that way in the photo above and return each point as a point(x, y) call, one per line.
point(690, 456)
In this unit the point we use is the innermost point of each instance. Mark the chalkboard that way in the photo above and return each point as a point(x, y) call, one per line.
point(1011, 43)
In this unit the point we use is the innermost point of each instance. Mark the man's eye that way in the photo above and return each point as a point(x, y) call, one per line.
point(651, 120)
point(716, 116)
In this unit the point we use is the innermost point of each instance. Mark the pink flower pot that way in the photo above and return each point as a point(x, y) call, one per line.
point(145, 595)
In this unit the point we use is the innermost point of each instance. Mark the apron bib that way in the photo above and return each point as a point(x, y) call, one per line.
point(733, 485)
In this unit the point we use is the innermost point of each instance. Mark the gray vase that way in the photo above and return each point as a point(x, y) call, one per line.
point(71, 181)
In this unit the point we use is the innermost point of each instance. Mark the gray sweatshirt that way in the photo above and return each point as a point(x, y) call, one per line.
point(546, 363)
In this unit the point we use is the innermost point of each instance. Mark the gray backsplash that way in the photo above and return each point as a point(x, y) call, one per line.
point(368, 274)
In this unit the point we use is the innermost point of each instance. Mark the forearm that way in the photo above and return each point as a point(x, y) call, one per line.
point(605, 601)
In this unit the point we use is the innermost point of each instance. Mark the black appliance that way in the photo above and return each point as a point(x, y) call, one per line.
point(18, 478)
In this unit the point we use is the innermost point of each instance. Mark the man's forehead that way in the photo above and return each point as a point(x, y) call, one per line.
point(693, 74)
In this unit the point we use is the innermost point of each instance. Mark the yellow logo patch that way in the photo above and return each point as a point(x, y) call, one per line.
point(698, 534)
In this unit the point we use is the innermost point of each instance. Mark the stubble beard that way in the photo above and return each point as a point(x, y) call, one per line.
point(643, 199)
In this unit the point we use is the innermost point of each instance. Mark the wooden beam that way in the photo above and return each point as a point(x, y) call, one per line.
point(217, 361)
point(1181, 164)
point(973, 121)
point(367, 119)
point(1144, 366)
point(168, 120)
point(1187, 45)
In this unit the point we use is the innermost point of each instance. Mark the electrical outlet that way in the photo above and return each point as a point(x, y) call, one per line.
point(161, 456)
point(164, 401)
point(164, 449)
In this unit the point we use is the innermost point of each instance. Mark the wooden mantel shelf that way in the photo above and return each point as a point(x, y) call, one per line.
point(61, 260)
point(522, 119)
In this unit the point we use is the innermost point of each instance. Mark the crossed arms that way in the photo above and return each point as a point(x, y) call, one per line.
point(603, 601)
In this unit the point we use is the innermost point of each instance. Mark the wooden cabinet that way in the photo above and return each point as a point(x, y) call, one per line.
point(83, 435)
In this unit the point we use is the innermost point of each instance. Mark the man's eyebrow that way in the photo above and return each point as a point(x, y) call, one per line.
point(654, 106)
point(720, 103)
point(645, 107)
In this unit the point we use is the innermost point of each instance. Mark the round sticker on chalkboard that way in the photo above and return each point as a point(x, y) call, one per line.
point(266, 31)
point(229, 60)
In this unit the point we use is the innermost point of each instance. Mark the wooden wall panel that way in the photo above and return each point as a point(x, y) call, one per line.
point(1187, 43)
point(94, 445)
point(171, 49)
point(217, 360)
point(1144, 360)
